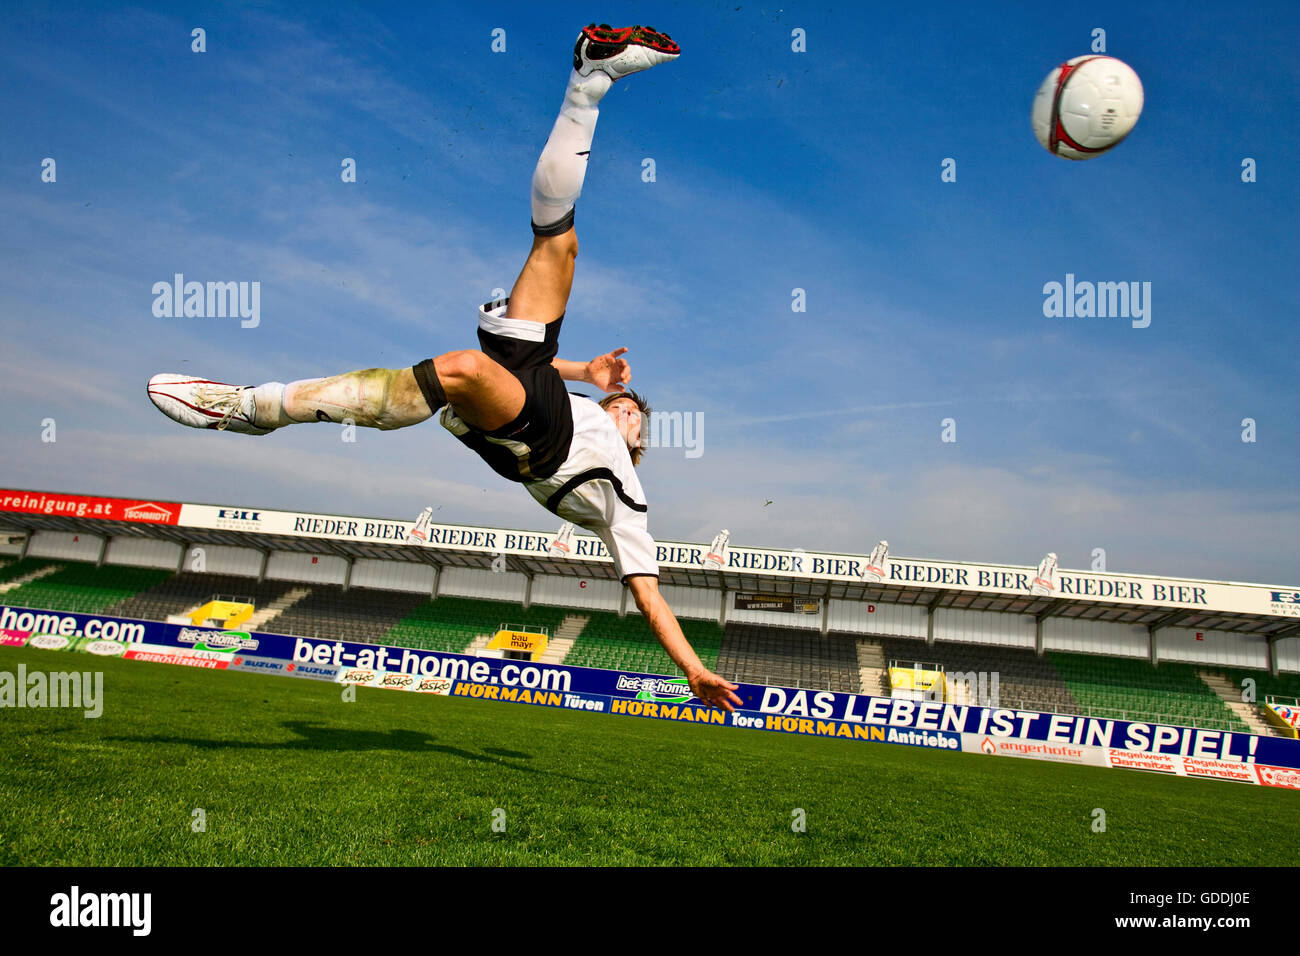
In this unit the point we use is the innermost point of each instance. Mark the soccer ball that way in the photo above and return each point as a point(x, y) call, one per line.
point(1086, 106)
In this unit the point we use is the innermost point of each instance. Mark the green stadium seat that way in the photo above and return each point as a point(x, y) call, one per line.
point(80, 587)
point(1134, 689)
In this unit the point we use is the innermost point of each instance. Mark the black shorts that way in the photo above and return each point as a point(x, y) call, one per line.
point(536, 443)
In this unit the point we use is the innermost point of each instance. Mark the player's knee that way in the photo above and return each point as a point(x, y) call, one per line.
point(570, 246)
point(460, 372)
point(562, 246)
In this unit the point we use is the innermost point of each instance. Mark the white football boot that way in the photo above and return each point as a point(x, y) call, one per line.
point(619, 52)
point(200, 403)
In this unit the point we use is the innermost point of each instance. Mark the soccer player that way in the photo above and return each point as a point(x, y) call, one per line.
point(507, 400)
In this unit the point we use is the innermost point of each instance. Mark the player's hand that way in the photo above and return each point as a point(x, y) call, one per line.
point(714, 690)
point(608, 372)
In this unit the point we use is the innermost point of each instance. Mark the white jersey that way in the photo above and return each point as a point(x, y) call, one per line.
point(597, 489)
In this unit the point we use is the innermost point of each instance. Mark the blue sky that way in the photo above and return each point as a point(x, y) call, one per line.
point(775, 170)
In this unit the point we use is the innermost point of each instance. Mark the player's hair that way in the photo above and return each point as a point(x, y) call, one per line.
point(642, 404)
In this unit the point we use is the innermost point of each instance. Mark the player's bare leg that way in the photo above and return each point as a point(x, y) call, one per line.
point(541, 293)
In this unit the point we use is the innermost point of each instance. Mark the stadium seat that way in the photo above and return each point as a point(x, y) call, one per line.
point(79, 586)
point(791, 657)
point(626, 643)
point(1133, 689)
point(1025, 680)
point(180, 593)
point(363, 615)
point(452, 624)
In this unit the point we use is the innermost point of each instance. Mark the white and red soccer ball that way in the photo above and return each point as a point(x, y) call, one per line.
point(1087, 106)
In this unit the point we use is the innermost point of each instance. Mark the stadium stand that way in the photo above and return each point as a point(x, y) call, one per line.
point(1092, 685)
point(625, 643)
point(1229, 684)
point(791, 657)
point(1025, 680)
point(83, 587)
point(1284, 685)
point(183, 592)
point(18, 569)
point(451, 624)
point(359, 614)
point(1131, 689)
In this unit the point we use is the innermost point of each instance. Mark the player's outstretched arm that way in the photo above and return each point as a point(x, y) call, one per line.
point(607, 372)
point(705, 684)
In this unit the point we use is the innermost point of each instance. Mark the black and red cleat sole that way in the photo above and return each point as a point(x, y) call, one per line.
point(606, 41)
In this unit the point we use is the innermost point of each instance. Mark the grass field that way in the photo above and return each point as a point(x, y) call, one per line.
point(287, 773)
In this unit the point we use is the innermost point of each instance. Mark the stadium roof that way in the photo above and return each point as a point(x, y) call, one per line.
point(1145, 600)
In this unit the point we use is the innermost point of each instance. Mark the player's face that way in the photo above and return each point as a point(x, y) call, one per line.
point(627, 419)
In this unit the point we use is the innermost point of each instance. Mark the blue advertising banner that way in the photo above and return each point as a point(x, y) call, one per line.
point(930, 724)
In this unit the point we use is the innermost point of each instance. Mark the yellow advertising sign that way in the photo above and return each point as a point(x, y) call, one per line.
point(1284, 716)
point(919, 680)
point(526, 642)
point(227, 614)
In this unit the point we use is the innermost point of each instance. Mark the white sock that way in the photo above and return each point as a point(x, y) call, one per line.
point(557, 180)
point(268, 406)
point(270, 411)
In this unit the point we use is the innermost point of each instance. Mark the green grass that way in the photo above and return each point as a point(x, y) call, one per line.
point(289, 774)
